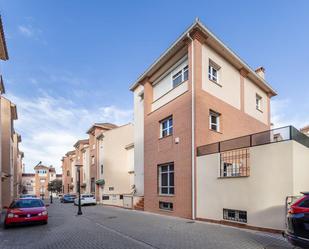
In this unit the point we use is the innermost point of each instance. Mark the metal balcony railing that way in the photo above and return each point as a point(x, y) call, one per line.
point(261, 138)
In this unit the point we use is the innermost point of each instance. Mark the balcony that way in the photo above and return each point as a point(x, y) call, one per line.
point(256, 139)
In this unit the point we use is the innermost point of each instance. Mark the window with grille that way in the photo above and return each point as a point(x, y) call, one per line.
point(235, 215)
point(166, 205)
point(234, 163)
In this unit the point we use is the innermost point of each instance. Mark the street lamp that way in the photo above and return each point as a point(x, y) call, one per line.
point(78, 166)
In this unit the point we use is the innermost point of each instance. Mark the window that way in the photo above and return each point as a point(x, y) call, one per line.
point(111, 188)
point(166, 205)
point(304, 204)
point(105, 197)
point(234, 163)
point(166, 127)
point(258, 102)
point(92, 185)
point(92, 160)
point(121, 197)
point(101, 168)
point(166, 179)
point(214, 121)
point(235, 215)
point(213, 71)
point(180, 76)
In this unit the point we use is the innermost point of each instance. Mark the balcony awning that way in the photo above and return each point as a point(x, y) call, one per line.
point(100, 182)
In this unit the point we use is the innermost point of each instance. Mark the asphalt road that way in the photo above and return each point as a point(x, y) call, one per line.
point(110, 227)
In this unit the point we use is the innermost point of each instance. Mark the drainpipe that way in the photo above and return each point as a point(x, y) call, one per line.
point(192, 129)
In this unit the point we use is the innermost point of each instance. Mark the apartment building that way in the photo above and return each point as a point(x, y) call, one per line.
point(43, 175)
point(94, 132)
point(67, 180)
point(116, 165)
point(8, 115)
point(198, 92)
point(80, 148)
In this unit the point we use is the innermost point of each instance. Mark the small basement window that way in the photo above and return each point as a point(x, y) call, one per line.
point(235, 215)
point(105, 197)
point(166, 205)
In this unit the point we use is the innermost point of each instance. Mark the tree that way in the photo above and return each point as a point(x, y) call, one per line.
point(55, 186)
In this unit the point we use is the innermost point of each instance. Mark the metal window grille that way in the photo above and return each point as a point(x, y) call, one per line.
point(235, 215)
point(235, 163)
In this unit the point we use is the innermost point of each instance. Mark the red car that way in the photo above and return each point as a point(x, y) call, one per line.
point(24, 211)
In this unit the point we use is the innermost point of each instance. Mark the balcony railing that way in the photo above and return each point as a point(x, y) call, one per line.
point(261, 138)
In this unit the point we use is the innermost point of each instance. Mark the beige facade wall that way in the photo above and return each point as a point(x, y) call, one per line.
point(262, 194)
point(228, 87)
point(116, 167)
point(250, 91)
point(28, 182)
point(86, 168)
point(139, 140)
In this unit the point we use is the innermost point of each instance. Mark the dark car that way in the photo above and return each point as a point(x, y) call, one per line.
point(68, 198)
point(297, 231)
point(25, 211)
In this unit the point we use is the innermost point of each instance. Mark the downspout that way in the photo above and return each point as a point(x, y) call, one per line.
point(192, 129)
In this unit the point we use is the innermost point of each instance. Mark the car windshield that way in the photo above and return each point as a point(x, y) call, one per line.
point(27, 203)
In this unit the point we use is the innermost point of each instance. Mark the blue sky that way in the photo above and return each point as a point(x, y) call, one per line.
point(72, 62)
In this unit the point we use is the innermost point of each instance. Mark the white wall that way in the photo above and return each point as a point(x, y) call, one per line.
point(86, 168)
point(250, 91)
point(115, 162)
point(139, 141)
point(262, 194)
point(165, 83)
point(229, 78)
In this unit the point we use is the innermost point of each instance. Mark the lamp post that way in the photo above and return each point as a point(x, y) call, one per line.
point(78, 166)
point(51, 196)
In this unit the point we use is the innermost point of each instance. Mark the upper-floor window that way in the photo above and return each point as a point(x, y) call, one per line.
point(258, 102)
point(166, 179)
point(68, 173)
point(101, 168)
point(92, 160)
point(213, 71)
point(214, 121)
point(166, 127)
point(180, 76)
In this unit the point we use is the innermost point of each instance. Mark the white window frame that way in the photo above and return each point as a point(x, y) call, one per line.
point(213, 67)
point(169, 127)
point(168, 172)
point(217, 124)
point(180, 73)
point(258, 102)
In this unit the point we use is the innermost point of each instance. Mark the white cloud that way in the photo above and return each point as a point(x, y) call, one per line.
point(51, 125)
point(26, 30)
point(284, 114)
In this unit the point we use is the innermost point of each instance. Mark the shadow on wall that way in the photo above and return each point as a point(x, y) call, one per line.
point(272, 217)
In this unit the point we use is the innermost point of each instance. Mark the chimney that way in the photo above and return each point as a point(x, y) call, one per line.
point(261, 72)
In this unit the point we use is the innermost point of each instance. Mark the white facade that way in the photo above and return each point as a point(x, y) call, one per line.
point(139, 140)
point(115, 164)
point(277, 170)
point(86, 168)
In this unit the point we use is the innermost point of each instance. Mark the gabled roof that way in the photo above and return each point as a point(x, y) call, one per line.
point(2, 88)
point(216, 44)
point(41, 166)
point(82, 141)
point(69, 153)
point(3, 49)
point(105, 126)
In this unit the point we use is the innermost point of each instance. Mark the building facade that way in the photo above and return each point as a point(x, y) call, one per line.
point(198, 92)
point(28, 183)
point(43, 176)
point(116, 159)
